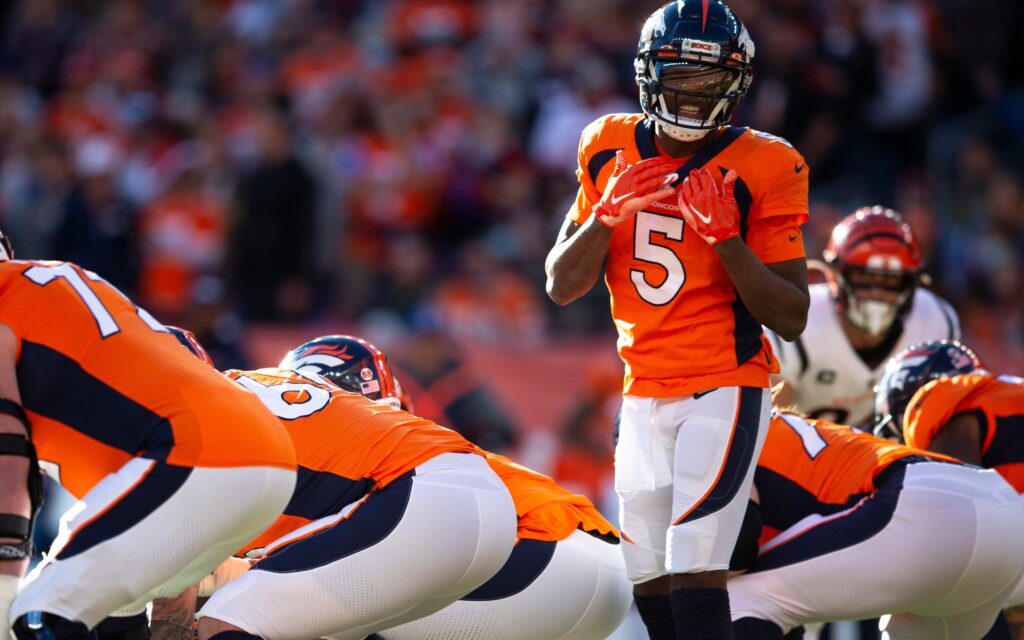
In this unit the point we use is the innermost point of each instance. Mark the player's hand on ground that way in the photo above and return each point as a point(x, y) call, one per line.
point(632, 187)
point(710, 208)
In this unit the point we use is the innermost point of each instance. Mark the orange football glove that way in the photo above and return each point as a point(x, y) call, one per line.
point(710, 209)
point(632, 187)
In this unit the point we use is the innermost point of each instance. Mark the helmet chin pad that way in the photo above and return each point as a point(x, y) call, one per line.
point(679, 132)
point(874, 316)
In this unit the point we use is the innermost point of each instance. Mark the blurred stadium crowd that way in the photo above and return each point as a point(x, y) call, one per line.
point(399, 168)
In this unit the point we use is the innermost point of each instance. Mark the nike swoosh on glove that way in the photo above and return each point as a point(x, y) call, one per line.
point(710, 209)
point(632, 187)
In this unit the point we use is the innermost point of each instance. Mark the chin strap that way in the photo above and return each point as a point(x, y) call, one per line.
point(16, 526)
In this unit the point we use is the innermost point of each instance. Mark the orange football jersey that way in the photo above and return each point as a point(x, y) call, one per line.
point(681, 325)
point(998, 401)
point(103, 382)
point(346, 445)
point(547, 511)
point(817, 467)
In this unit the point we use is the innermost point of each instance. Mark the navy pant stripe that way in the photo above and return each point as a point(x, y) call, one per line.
point(159, 484)
point(738, 459)
point(528, 560)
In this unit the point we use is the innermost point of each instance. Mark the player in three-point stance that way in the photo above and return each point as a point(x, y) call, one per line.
point(393, 518)
point(850, 528)
point(101, 397)
point(565, 579)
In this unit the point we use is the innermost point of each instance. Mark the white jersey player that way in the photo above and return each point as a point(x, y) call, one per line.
point(871, 308)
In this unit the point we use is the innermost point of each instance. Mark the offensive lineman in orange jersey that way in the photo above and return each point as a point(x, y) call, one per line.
point(937, 396)
point(565, 578)
point(694, 269)
point(393, 517)
point(76, 378)
point(849, 532)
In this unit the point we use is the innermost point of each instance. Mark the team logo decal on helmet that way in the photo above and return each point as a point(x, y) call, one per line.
point(318, 357)
point(352, 363)
point(693, 65)
point(910, 370)
point(874, 268)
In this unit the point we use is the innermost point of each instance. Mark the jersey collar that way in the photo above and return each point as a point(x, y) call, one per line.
point(644, 138)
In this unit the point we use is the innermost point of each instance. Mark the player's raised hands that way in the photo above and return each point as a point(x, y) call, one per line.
point(632, 187)
point(710, 209)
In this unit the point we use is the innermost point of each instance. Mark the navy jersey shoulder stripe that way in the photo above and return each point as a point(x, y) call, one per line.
point(57, 387)
point(744, 200)
point(156, 487)
point(643, 135)
point(746, 332)
point(712, 149)
point(597, 162)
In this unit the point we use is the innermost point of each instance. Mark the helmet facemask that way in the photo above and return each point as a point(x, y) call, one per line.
point(874, 269)
point(692, 87)
point(873, 299)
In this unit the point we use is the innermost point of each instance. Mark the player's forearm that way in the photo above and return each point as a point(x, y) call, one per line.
point(774, 301)
point(574, 265)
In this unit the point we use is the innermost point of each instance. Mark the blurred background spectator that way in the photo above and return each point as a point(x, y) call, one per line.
point(263, 171)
